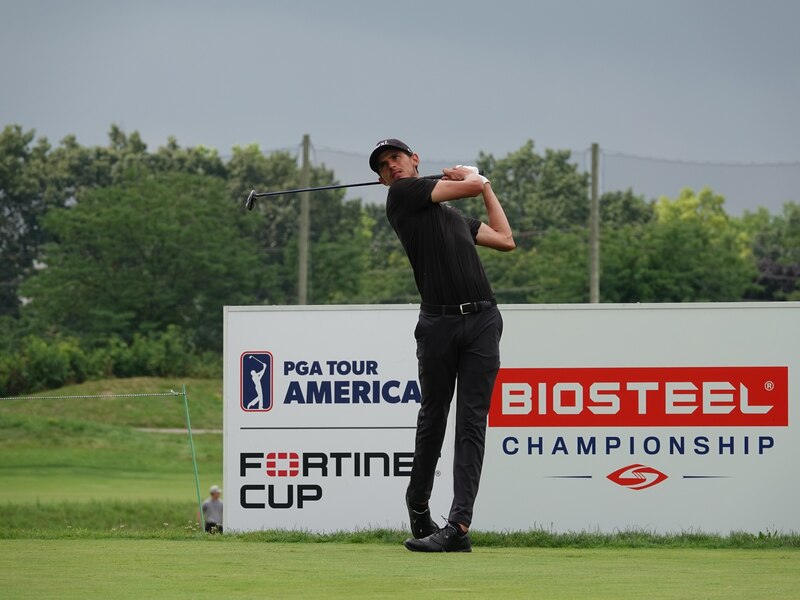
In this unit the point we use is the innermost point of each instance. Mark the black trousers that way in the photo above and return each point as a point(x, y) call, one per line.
point(213, 527)
point(458, 353)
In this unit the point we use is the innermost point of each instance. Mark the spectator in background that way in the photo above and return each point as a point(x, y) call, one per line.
point(212, 511)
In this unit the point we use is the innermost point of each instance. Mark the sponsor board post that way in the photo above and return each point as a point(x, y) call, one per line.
point(605, 417)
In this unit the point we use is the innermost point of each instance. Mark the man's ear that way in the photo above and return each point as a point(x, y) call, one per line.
point(415, 161)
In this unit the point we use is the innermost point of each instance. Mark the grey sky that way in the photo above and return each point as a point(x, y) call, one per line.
point(713, 80)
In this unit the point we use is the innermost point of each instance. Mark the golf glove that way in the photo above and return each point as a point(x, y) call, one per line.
point(485, 180)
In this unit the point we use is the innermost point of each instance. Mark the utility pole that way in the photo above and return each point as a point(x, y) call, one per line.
point(302, 237)
point(594, 230)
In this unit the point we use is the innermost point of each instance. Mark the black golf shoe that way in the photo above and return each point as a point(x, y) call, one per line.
point(447, 539)
point(421, 523)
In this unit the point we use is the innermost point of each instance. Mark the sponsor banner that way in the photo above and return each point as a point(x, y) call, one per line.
point(641, 397)
point(605, 417)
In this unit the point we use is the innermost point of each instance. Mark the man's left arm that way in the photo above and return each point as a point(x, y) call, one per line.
point(465, 182)
point(497, 233)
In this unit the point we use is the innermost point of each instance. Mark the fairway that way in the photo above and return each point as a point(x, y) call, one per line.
point(236, 569)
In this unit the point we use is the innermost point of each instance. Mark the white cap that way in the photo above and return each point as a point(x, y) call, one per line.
point(214, 489)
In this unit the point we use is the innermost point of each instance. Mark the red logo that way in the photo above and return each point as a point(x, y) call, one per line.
point(283, 464)
point(641, 397)
point(637, 477)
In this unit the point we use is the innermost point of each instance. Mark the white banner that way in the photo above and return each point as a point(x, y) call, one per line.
point(604, 417)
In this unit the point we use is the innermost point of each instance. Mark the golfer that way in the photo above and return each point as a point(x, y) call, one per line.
point(458, 332)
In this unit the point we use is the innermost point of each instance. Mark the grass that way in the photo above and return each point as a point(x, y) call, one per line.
point(125, 568)
point(91, 449)
point(205, 402)
point(81, 468)
point(107, 510)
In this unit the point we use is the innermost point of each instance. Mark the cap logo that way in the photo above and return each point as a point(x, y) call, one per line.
point(390, 143)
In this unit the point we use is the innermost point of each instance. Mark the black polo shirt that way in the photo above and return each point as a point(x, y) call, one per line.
point(439, 242)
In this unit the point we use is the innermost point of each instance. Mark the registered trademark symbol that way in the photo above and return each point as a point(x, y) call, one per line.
point(769, 386)
point(438, 472)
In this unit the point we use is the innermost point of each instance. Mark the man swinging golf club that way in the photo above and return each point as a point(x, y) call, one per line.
point(458, 332)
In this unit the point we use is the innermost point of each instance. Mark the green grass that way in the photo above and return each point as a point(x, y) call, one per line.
point(80, 469)
point(205, 402)
point(173, 569)
point(95, 508)
point(91, 449)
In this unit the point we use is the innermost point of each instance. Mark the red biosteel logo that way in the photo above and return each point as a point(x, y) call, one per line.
point(641, 397)
point(637, 477)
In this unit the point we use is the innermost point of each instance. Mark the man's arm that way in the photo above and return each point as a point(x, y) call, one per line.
point(458, 183)
point(497, 234)
point(464, 182)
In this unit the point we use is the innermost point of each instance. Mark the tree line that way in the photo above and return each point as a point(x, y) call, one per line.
point(119, 260)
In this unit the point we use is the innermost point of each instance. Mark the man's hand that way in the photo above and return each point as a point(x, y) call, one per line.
point(458, 173)
point(462, 172)
point(458, 182)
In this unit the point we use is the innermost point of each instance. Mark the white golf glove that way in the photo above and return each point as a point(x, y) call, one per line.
point(485, 180)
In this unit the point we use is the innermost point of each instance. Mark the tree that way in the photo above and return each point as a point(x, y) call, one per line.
point(691, 252)
point(339, 231)
point(538, 193)
point(150, 252)
point(776, 250)
point(22, 206)
point(35, 177)
point(618, 209)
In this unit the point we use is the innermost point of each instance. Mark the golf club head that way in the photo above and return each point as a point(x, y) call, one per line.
point(251, 200)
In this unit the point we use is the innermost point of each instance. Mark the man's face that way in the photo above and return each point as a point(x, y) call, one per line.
point(215, 495)
point(394, 164)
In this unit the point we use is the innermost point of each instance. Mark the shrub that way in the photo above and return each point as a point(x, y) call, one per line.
point(39, 364)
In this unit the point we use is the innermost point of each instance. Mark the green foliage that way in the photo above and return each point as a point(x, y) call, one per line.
point(387, 277)
point(22, 206)
point(36, 177)
point(618, 209)
point(690, 252)
point(38, 364)
point(537, 192)
point(114, 245)
point(339, 230)
point(553, 271)
point(776, 250)
point(144, 255)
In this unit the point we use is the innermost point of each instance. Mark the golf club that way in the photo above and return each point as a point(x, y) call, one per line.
point(251, 198)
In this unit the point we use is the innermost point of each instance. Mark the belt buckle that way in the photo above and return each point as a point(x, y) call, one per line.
point(461, 308)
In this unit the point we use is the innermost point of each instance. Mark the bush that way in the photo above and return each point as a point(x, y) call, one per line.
point(160, 355)
point(41, 364)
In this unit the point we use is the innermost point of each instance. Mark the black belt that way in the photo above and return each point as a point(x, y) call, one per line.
point(457, 309)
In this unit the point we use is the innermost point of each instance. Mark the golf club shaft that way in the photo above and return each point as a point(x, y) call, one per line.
point(325, 187)
point(250, 202)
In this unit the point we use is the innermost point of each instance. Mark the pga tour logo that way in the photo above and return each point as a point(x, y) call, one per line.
point(256, 377)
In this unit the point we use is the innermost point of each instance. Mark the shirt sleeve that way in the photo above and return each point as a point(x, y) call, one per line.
point(410, 195)
point(474, 226)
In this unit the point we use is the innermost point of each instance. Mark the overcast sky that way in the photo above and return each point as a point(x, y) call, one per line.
point(711, 80)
